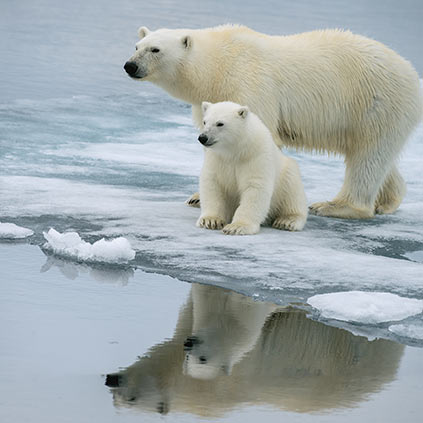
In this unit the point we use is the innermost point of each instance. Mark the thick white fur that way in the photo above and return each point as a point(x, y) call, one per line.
point(245, 178)
point(327, 90)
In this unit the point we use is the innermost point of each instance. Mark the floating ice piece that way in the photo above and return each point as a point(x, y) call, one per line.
point(365, 307)
point(12, 231)
point(408, 331)
point(70, 244)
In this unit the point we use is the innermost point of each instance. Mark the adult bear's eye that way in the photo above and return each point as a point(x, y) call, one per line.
point(155, 50)
point(219, 124)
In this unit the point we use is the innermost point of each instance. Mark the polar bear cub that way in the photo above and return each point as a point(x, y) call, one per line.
point(246, 180)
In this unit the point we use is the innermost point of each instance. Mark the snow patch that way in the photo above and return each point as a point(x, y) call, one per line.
point(407, 331)
point(365, 307)
point(70, 244)
point(12, 231)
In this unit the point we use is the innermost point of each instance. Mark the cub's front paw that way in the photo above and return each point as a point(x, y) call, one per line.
point(290, 223)
point(210, 222)
point(241, 229)
point(194, 200)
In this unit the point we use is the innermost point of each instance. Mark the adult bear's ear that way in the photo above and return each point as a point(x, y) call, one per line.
point(204, 106)
point(187, 41)
point(143, 31)
point(243, 111)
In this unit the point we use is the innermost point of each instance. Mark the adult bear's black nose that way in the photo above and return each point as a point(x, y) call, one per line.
point(113, 380)
point(203, 138)
point(131, 68)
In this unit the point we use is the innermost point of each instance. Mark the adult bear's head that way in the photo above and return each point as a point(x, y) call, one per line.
point(158, 54)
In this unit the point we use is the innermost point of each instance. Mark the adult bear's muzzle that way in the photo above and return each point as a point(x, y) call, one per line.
point(131, 68)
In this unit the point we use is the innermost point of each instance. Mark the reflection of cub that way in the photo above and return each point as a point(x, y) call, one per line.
point(291, 362)
point(223, 331)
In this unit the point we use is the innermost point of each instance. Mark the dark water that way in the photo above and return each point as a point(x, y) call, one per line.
point(57, 49)
point(83, 344)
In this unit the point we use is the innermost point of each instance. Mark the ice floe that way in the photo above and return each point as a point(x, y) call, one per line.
point(12, 231)
point(71, 245)
point(87, 165)
point(365, 307)
point(408, 331)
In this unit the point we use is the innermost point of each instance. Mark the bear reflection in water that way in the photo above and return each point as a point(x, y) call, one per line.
point(228, 349)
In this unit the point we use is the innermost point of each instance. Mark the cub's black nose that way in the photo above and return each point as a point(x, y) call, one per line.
point(190, 342)
point(131, 68)
point(203, 138)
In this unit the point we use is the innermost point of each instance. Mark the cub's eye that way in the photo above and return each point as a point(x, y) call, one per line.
point(155, 50)
point(219, 124)
point(204, 122)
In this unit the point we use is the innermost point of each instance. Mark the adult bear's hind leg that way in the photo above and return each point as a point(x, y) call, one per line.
point(391, 193)
point(364, 175)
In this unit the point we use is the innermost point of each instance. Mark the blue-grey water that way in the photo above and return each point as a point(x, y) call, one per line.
point(85, 344)
point(84, 148)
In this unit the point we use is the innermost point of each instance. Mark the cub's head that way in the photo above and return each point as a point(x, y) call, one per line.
point(158, 53)
point(224, 125)
point(208, 354)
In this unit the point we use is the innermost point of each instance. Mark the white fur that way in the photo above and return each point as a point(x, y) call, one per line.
point(326, 90)
point(245, 177)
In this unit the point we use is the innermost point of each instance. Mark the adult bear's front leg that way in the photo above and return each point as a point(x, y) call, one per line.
point(364, 176)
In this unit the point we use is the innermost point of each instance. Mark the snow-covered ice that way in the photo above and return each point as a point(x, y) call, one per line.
point(12, 231)
point(71, 245)
point(365, 307)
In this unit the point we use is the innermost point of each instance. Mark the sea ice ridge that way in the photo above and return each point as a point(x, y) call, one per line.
point(71, 245)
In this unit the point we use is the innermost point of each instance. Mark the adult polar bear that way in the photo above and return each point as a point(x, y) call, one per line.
point(327, 90)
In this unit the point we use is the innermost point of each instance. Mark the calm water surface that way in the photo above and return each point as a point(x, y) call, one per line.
point(82, 344)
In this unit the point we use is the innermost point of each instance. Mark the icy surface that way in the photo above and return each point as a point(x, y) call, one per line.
point(71, 245)
point(12, 231)
point(66, 171)
point(408, 331)
point(365, 307)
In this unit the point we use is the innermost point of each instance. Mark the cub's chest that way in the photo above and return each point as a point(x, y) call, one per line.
point(231, 178)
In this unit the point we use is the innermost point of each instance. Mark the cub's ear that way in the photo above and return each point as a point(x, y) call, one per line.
point(243, 111)
point(204, 106)
point(143, 31)
point(187, 41)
